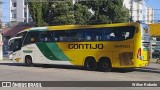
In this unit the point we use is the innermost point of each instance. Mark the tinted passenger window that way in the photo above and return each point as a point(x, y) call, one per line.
point(120, 33)
point(93, 34)
point(46, 36)
point(75, 35)
point(61, 36)
point(32, 37)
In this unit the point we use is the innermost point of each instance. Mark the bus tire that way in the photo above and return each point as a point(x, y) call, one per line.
point(104, 65)
point(28, 61)
point(90, 64)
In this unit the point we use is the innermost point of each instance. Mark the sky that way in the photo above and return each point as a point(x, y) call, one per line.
point(5, 11)
point(155, 4)
point(151, 3)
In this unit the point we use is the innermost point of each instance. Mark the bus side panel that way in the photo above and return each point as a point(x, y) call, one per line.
point(77, 51)
point(17, 57)
point(29, 50)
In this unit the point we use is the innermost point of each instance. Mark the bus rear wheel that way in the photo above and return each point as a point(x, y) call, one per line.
point(28, 61)
point(104, 66)
point(90, 64)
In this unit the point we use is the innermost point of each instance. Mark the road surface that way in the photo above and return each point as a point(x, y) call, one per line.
point(19, 72)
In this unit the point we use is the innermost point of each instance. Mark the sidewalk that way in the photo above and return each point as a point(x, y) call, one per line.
point(6, 60)
point(153, 60)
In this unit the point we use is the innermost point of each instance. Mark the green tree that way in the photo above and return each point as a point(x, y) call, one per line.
point(107, 11)
point(64, 12)
point(82, 14)
point(58, 13)
point(35, 9)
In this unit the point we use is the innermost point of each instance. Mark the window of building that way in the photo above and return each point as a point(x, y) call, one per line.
point(14, 4)
point(25, 14)
point(25, 3)
point(14, 16)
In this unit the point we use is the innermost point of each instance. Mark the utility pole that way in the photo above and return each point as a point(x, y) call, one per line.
point(1, 40)
point(131, 10)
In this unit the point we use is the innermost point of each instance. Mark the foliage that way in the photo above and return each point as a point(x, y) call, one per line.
point(64, 12)
point(82, 14)
point(107, 11)
point(35, 9)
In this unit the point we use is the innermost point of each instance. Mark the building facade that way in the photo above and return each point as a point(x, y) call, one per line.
point(139, 11)
point(19, 11)
point(149, 15)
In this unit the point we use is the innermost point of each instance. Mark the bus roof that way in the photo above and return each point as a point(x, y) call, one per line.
point(35, 28)
point(65, 27)
point(71, 27)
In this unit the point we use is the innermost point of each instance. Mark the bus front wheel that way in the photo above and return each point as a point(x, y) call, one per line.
point(104, 66)
point(90, 64)
point(28, 61)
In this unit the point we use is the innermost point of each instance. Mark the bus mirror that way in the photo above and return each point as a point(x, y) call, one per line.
point(12, 40)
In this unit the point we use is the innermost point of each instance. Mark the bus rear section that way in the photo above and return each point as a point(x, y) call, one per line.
point(143, 47)
point(134, 50)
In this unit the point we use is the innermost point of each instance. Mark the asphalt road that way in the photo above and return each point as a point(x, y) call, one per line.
point(19, 72)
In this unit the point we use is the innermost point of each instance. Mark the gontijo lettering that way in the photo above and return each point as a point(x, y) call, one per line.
point(85, 46)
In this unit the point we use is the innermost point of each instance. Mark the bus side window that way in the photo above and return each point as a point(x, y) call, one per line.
point(31, 38)
point(60, 36)
point(97, 38)
point(119, 35)
point(46, 36)
point(127, 35)
point(107, 37)
point(55, 39)
point(112, 36)
point(88, 38)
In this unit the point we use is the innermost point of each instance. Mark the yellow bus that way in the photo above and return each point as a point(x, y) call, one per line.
point(96, 47)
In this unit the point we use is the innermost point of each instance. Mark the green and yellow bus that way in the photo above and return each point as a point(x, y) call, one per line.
point(102, 47)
